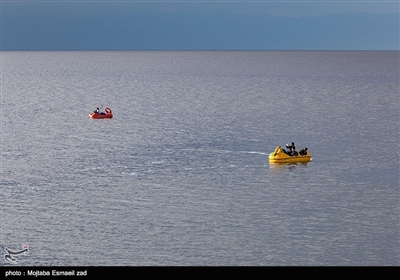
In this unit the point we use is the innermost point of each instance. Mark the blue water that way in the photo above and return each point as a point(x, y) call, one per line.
point(180, 175)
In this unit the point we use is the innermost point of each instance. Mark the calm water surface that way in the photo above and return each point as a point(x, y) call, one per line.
point(180, 175)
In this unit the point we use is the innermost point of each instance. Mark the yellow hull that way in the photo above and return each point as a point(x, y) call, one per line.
point(278, 156)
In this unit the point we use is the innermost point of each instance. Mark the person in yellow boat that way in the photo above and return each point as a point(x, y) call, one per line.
point(303, 152)
point(291, 149)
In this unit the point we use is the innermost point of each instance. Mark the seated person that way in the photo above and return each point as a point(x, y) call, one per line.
point(291, 149)
point(303, 152)
point(99, 111)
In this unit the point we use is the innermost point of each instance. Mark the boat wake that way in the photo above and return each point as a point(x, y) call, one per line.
point(225, 151)
point(251, 152)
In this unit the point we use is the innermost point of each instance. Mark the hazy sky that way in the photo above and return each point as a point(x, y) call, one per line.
point(287, 8)
point(80, 24)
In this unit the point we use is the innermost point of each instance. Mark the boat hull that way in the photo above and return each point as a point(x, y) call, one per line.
point(278, 156)
point(107, 115)
point(100, 116)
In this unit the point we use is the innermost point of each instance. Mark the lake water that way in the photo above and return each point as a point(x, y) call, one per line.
point(180, 175)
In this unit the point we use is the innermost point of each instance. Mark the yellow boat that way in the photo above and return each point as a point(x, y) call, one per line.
point(279, 156)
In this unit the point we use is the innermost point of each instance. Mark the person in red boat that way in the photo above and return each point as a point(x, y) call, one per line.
point(99, 111)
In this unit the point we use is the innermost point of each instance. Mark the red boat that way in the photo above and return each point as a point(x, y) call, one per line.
point(108, 114)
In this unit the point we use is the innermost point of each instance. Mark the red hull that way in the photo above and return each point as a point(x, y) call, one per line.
point(107, 115)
